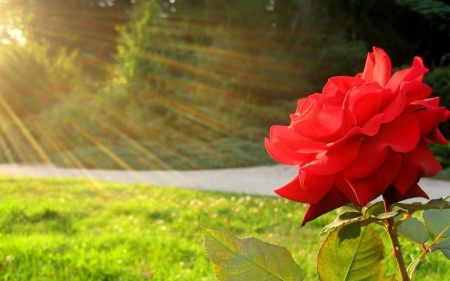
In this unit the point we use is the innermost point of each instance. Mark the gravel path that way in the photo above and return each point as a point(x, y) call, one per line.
point(261, 180)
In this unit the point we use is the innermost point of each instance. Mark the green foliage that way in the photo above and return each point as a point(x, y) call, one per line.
point(439, 203)
point(65, 229)
point(436, 12)
point(31, 81)
point(351, 252)
point(437, 222)
point(444, 247)
point(249, 258)
point(413, 230)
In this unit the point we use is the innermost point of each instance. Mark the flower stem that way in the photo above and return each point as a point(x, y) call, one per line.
point(397, 250)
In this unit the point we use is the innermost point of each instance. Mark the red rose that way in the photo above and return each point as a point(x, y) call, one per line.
point(363, 137)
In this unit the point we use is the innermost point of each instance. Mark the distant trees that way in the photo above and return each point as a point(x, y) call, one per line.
point(178, 71)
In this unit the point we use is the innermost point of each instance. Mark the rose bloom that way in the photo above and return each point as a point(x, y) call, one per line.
point(363, 137)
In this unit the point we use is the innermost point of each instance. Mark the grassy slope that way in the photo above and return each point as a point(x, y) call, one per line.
point(65, 229)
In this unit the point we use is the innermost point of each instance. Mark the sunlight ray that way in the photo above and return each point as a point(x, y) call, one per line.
point(102, 147)
point(23, 129)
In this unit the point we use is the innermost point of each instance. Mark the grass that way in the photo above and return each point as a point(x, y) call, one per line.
point(67, 229)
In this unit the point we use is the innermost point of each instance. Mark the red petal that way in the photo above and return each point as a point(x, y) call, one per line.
point(378, 67)
point(295, 192)
point(369, 129)
point(336, 89)
point(418, 163)
point(418, 62)
point(295, 141)
point(334, 160)
point(363, 102)
point(429, 103)
point(310, 181)
point(306, 105)
point(323, 125)
point(415, 90)
point(394, 108)
point(409, 74)
point(334, 199)
point(283, 154)
point(402, 135)
point(436, 136)
point(370, 156)
point(429, 119)
point(391, 195)
point(369, 188)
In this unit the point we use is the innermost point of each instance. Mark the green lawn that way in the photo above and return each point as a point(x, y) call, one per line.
point(66, 229)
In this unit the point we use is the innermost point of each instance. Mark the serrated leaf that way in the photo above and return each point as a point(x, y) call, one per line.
point(440, 203)
point(437, 221)
point(353, 217)
point(374, 209)
point(354, 207)
point(351, 253)
point(249, 259)
point(443, 246)
point(388, 215)
point(413, 230)
point(343, 218)
point(388, 278)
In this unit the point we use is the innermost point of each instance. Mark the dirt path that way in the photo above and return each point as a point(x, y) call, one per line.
point(261, 180)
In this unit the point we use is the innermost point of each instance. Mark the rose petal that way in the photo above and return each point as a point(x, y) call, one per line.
point(378, 67)
point(415, 90)
point(310, 181)
point(402, 135)
point(344, 187)
point(370, 157)
point(334, 160)
point(429, 119)
point(295, 192)
point(418, 62)
point(281, 153)
point(428, 103)
point(369, 188)
point(322, 126)
point(334, 199)
point(417, 163)
point(394, 108)
point(363, 102)
point(295, 141)
point(436, 136)
point(409, 74)
point(308, 105)
point(369, 129)
point(391, 195)
point(336, 89)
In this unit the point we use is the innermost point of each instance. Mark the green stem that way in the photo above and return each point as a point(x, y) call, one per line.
point(396, 247)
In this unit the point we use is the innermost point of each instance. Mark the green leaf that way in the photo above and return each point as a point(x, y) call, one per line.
point(413, 230)
point(388, 215)
point(351, 253)
point(440, 203)
point(437, 222)
point(375, 209)
point(388, 278)
point(249, 258)
point(444, 246)
point(343, 218)
point(353, 217)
